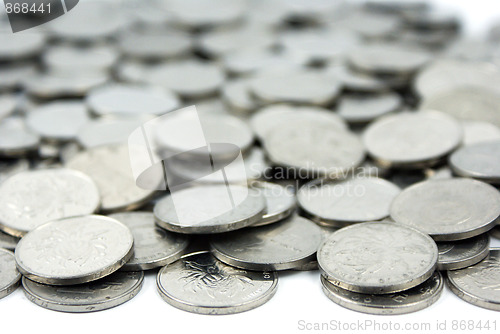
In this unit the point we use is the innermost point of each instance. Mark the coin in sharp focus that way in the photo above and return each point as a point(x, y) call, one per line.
point(479, 131)
point(288, 244)
point(377, 257)
point(7, 241)
point(463, 253)
point(412, 139)
point(407, 301)
point(99, 295)
point(153, 247)
point(313, 147)
point(199, 283)
point(295, 86)
point(15, 139)
point(479, 283)
point(109, 167)
point(342, 203)
point(280, 202)
point(448, 209)
point(58, 121)
point(131, 100)
point(480, 161)
point(65, 192)
point(366, 108)
point(74, 250)
point(9, 275)
point(209, 209)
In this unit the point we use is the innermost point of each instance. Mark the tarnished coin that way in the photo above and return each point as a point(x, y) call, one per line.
point(480, 161)
point(7, 241)
point(74, 250)
point(411, 300)
point(199, 283)
point(209, 209)
point(99, 295)
point(412, 139)
point(363, 109)
point(58, 121)
point(153, 246)
point(478, 284)
point(65, 193)
point(313, 148)
point(289, 244)
point(9, 275)
point(109, 167)
point(377, 257)
point(463, 253)
point(341, 203)
point(15, 139)
point(280, 202)
point(130, 100)
point(448, 209)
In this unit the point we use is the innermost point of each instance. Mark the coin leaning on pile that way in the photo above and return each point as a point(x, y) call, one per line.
point(361, 141)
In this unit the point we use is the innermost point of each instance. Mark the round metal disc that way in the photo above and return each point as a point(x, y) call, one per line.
point(74, 250)
point(448, 209)
point(7, 241)
point(199, 283)
point(99, 295)
point(153, 246)
point(15, 139)
point(363, 109)
point(377, 257)
point(280, 202)
point(284, 245)
point(411, 300)
point(463, 253)
point(480, 161)
point(9, 275)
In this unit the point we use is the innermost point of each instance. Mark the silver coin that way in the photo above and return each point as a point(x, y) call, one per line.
point(21, 45)
point(7, 241)
point(370, 25)
point(341, 203)
point(284, 245)
point(8, 103)
point(151, 45)
point(153, 246)
point(463, 253)
point(74, 250)
point(280, 202)
point(209, 209)
point(31, 198)
point(244, 62)
point(480, 161)
point(204, 13)
point(236, 93)
point(16, 75)
point(412, 139)
point(199, 283)
point(109, 167)
point(478, 284)
point(58, 121)
point(130, 100)
point(479, 131)
point(363, 109)
point(99, 295)
point(9, 275)
point(411, 300)
point(15, 139)
point(448, 209)
point(377, 257)
point(313, 147)
point(58, 85)
point(66, 58)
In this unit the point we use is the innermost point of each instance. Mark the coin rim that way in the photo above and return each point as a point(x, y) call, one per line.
point(14, 284)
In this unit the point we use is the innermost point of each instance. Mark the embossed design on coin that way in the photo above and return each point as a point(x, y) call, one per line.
point(99, 295)
point(9, 275)
point(74, 250)
point(463, 253)
point(377, 257)
point(199, 283)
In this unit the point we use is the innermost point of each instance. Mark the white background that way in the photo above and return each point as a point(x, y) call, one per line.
point(299, 296)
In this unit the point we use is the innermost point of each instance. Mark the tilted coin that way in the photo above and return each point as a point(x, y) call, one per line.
point(362, 109)
point(74, 250)
point(199, 283)
point(9, 275)
point(153, 246)
point(236, 93)
point(151, 45)
point(7, 241)
point(209, 209)
point(22, 45)
point(463, 253)
point(280, 202)
point(244, 62)
point(65, 192)
point(99, 295)
point(284, 245)
point(77, 59)
point(478, 284)
point(480, 161)
point(341, 203)
point(495, 232)
point(15, 139)
point(110, 168)
point(377, 257)
point(407, 301)
point(356, 81)
point(479, 131)
point(369, 25)
point(448, 209)
point(412, 139)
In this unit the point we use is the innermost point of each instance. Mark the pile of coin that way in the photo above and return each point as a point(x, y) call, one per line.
point(359, 139)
